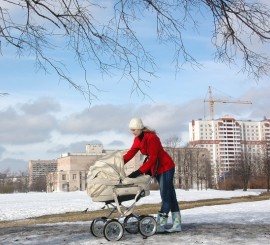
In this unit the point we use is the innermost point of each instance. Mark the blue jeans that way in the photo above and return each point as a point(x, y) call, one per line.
point(167, 192)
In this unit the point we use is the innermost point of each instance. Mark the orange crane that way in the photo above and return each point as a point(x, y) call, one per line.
point(211, 101)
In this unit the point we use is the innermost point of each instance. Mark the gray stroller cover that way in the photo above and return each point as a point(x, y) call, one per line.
point(107, 179)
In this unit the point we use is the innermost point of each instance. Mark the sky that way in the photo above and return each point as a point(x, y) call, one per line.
point(43, 117)
point(240, 223)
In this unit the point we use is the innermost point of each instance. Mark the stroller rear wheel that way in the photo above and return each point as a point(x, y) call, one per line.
point(97, 226)
point(113, 230)
point(131, 224)
point(147, 225)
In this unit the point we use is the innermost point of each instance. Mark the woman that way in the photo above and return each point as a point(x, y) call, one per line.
point(160, 164)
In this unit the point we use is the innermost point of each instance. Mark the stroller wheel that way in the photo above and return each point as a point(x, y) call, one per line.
point(113, 230)
point(97, 226)
point(147, 225)
point(131, 224)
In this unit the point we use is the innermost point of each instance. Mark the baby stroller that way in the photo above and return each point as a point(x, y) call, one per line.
point(107, 182)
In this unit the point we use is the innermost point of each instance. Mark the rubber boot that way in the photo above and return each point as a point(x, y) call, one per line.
point(162, 219)
point(176, 218)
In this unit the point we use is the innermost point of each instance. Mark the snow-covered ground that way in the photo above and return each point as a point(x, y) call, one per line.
point(33, 204)
point(240, 223)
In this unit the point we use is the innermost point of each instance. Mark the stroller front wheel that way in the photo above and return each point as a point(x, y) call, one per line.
point(113, 230)
point(147, 225)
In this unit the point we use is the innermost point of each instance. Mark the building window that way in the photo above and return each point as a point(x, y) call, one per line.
point(74, 176)
point(64, 177)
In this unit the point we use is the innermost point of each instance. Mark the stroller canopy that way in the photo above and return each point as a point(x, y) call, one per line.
point(108, 172)
point(110, 167)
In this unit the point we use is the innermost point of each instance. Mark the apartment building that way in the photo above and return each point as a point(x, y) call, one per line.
point(226, 138)
point(38, 169)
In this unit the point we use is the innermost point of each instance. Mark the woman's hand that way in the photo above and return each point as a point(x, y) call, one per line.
point(135, 174)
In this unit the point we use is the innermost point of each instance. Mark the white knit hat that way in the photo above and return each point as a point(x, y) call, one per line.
point(136, 123)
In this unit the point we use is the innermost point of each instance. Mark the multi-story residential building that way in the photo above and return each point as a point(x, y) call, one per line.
point(226, 138)
point(38, 169)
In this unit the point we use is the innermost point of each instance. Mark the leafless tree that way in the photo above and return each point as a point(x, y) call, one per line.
point(39, 183)
point(22, 181)
point(192, 165)
point(201, 168)
point(13, 182)
point(261, 166)
point(267, 172)
point(35, 27)
point(244, 166)
point(51, 181)
point(172, 142)
point(266, 165)
point(171, 145)
point(187, 168)
point(5, 182)
point(197, 166)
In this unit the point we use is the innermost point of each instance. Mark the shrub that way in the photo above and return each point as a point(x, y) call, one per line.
point(230, 184)
point(258, 183)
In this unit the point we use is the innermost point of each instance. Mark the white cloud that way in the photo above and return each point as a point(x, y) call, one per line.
point(35, 126)
point(20, 128)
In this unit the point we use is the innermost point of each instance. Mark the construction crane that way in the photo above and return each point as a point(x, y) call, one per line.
point(211, 101)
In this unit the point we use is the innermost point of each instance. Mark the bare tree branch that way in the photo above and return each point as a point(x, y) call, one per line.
point(34, 27)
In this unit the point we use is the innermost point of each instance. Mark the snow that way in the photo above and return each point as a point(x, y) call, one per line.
point(33, 204)
point(239, 223)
